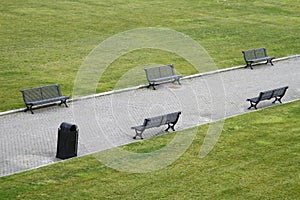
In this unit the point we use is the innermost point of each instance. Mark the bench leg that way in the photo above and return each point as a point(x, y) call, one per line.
point(253, 105)
point(178, 81)
point(29, 108)
point(137, 133)
point(63, 102)
point(170, 126)
point(269, 61)
point(248, 65)
point(152, 85)
point(277, 99)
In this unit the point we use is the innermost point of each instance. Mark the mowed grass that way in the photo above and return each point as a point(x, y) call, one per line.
point(44, 42)
point(256, 157)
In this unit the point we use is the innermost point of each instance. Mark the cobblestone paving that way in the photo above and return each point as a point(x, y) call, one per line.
point(28, 141)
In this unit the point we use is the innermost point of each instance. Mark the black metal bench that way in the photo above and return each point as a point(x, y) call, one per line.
point(161, 74)
point(267, 95)
point(256, 55)
point(43, 95)
point(168, 119)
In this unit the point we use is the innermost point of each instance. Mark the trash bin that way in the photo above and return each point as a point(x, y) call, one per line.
point(67, 141)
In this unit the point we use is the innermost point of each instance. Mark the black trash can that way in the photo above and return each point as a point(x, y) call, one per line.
point(67, 141)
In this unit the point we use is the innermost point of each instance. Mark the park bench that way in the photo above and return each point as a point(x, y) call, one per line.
point(43, 95)
point(256, 55)
point(267, 95)
point(161, 74)
point(168, 119)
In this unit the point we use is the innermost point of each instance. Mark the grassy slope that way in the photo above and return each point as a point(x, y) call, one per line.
point(256, 157)
point(45, 42)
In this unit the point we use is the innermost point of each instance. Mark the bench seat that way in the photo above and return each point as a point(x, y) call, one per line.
point(138, 128)
point(256, 60)
point(44, 101)
point(175, 77)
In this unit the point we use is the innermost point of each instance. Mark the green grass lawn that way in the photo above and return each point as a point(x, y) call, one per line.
point(256, 157)
point(44, 42)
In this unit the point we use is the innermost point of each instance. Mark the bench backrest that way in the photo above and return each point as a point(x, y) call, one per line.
point(159, 72)
point(266, 95)
point(279, 92)
point(255, 53)
point(161, 120)
point(173, 117)
point(40, 93)
point(155, 121)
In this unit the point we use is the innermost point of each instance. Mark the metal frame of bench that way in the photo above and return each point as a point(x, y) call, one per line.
point(161, 74)
point(256, 55)
point(267, 95)
point(169, 119)
point(43, 95)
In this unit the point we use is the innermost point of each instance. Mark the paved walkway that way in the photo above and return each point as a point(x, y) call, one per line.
point(29, 141)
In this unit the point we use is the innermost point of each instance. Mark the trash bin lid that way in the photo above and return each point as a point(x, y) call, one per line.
point(68, 126)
